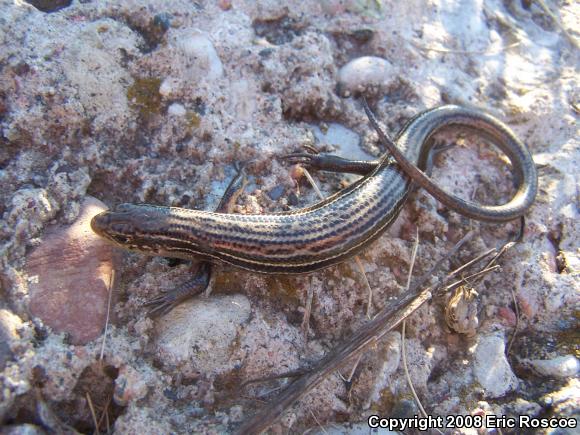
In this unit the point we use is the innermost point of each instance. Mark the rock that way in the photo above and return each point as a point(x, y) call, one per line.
point(130, 385)
point(276, 192)
point(346, 141)
point(491, 368)
point(201, 332)
point(560, 367)
point(49, 5)
point(365, 74)
point(507, 315)
point(168, 87)
point(176, 109)
point(198, 51)
point(69, 275)
point(87, 53)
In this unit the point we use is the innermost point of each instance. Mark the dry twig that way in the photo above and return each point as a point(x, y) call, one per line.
point(478, 52)
point(93, 413)
point(307, 312)
point(367, 285)
point(404, 328)
point(105, 413)
point(387, 319)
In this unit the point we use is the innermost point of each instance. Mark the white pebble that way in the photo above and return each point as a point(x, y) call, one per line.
point(166, 88)
point(367, 73)
point(176, 109)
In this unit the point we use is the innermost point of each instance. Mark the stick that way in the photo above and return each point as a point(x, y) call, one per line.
point(386, 320)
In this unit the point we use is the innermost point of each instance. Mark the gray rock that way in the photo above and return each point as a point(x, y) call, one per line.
point(560, 367)
point(202, 331)
point(491, 367)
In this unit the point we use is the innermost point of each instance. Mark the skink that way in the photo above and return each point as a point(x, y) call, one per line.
point(326, 233)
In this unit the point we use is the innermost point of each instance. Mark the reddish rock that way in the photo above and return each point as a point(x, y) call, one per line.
point(69, 275)
point(527, 307)
point(225, 5)
point(507, 316)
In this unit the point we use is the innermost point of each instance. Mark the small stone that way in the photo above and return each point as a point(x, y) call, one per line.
point(201, 332)
point(346, 141)
point(507, 315)
point(198, 49)
point(491, 367)
point(129, 386)
point(560, 367)
point(69, 275)
point(176, 109)
point(225, 5)
point(276, 192)
point(49, 5)
point(168, 87)
point(365, 74)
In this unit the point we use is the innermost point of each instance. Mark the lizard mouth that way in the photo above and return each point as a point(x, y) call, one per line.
point(113, 226)
point(100, 222)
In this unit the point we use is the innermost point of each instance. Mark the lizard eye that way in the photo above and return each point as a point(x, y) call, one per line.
point(122, 239)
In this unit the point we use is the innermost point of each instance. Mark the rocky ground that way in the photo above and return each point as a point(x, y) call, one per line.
point(153, 101)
